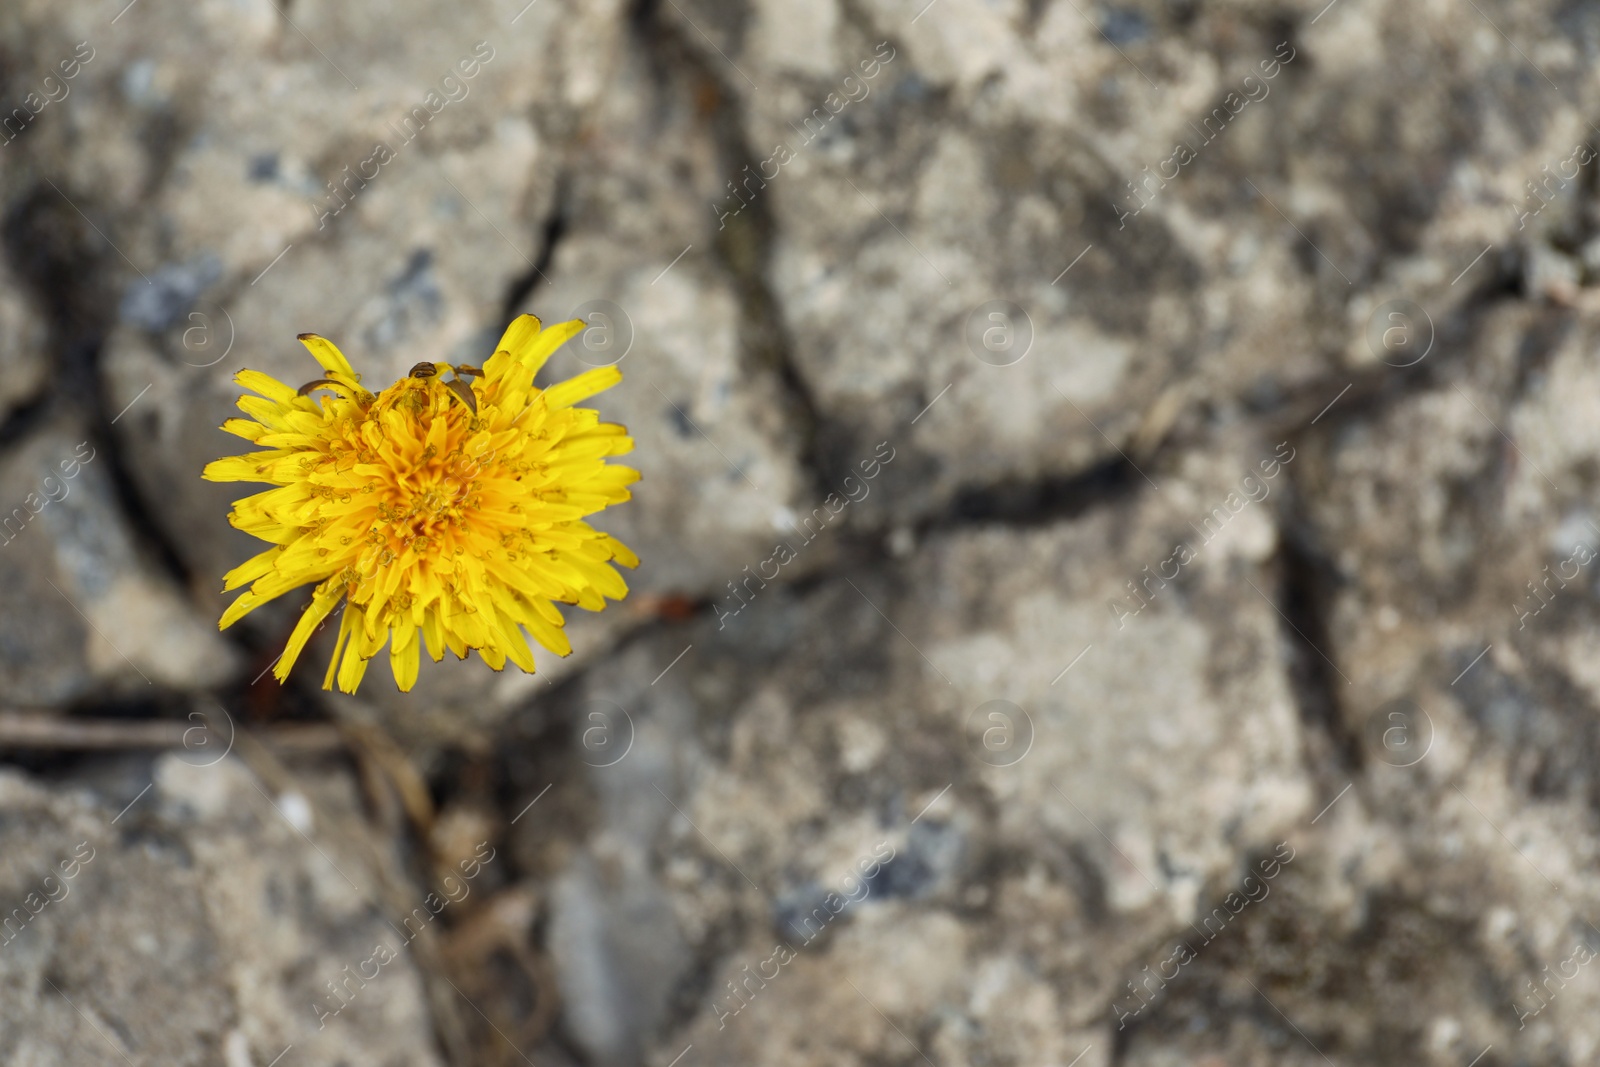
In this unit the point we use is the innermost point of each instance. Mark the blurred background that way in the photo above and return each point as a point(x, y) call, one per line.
point(1118, 525)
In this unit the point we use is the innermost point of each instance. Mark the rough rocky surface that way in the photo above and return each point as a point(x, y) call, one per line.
point(1036, 823)
point(180, 914)
point(23, 360)
point(926, 162)
point(100, 616)
point(1100, 603)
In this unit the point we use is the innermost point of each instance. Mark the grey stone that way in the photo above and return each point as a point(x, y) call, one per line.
point(100, 615)
point(158, 302)
point(1042, 809)
point(993, 157)
point(192, 923)
point(24, 362)
point(1455, 514)
point(709, 421)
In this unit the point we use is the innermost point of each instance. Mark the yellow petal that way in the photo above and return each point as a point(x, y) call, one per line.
point(519, 335)
point(528, 343)
point(515, 643)
point(433, 633)
point(242, 605)
point(565, 394)
point(551, 637)
point(245, 428)
point(405, 655)
point(549, 342)
point(347, 626)
point(619, 552)
point(352, 671)
point(327, 353)
point(266, 385)
point(250, 467)
point(251, 569)
point(326, 597)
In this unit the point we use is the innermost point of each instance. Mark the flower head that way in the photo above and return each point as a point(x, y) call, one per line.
point(450, 509)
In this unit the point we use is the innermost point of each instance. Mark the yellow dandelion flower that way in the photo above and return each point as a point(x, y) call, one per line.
point(450, 508)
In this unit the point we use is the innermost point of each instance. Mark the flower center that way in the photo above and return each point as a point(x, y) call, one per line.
point(407, 476)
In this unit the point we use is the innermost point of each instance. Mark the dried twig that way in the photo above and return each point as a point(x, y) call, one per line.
point(45, 730)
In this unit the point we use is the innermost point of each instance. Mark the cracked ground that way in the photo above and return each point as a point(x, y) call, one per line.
point(1118, 525)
